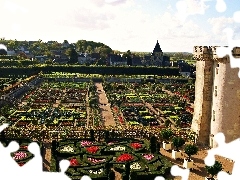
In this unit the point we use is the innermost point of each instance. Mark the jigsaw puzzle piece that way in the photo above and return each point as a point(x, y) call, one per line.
point(228, 150)
point(3, 126)
point(221, 6)
point(159, 178)
point(223, 176)
point(88, 178)
point(236, 16)
point(35, 164)
point(8, 163)
point(177, 171)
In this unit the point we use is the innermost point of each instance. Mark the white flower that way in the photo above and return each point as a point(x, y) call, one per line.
point(67, 149)
point(135, 165)
point(99, 171)
point(118, 148)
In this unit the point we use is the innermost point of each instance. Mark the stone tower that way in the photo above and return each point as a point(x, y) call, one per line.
point(217, 96)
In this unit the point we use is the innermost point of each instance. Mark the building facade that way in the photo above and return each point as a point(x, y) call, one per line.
point(217, 96)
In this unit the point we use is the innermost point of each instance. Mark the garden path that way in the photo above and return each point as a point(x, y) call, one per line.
point(199, 171)
point(47, 154)
point(104, 106)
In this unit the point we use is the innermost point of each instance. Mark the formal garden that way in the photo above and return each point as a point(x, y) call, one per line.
point(64, 111)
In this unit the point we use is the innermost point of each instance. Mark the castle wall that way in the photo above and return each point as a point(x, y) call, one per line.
point(226, 102)
point(203, 100)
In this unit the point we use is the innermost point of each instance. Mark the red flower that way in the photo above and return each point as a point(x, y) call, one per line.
point(93, 149)
point(74, 162)
point(124, 158)
point(23, 147)
point(20, 164)
point(136, 145)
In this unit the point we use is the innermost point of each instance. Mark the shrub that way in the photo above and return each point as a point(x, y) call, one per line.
point(127, 169)
point(153, 142)
point(111, 175)
point(178, 142)
point(106, 134)
point(166, 134)
point(133, 176)
point(92, 135)
point(190, 149)
point(215, 169)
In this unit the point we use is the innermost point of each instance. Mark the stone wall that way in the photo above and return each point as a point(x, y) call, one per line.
point(226, 101)
point(217, 96)
point(203, 94)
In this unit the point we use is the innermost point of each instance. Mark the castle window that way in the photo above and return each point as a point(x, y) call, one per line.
point(216, 70)
point(217, 64)
point(213, 118)
point(215, 90)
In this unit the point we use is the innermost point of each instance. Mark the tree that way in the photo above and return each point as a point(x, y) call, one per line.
point(127, 170)
point(215, 169)
point(3, 52)
point(178, 142)
point(111, 175)
point(106, 133)
point(153, 146)
point(92, 135)
point(133, 176)
point(73, 56)
point(128, 57)
point(190, 149)
point(166, 134)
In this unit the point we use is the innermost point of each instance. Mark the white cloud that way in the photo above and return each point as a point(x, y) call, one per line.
point(190, 7)
point(118, 24)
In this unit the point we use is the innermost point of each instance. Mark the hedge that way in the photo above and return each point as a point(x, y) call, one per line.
point(108, 70)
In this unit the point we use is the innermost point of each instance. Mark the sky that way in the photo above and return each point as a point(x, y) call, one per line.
point(123, 25)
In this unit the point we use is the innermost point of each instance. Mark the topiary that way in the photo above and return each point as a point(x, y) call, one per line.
point(190, 149)
point(166, 134)
point(111, 175)
point(215, 169)
point(152, 146)
point(178, 142)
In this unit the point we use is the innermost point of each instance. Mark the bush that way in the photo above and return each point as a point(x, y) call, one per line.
point(111, 175)
point(190, 149)
point(92, 135)
point(178, 142)
point(166, 134)
point(215, 169)
point(133, 176)
point(153, 142)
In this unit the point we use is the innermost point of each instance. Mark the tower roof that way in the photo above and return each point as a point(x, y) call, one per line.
point(157, 48)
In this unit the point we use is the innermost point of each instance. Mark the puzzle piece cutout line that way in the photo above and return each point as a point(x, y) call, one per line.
point(182, 8)
point(32, 169)
point(228, 150)
point(221, 6)
point(223, 51)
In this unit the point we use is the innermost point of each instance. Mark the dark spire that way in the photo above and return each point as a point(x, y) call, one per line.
point(157, 48)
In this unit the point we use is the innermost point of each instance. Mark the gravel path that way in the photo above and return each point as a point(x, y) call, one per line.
point(199, 172)
point(106, 111)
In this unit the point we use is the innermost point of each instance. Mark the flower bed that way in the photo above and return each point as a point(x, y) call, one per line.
point(76, 162)
point(95, 172)
point(113, 149)
point(22, 156)
point(137, 166)
point(137, 147)
point(94, 160)
point(68, 150)
point(93, 150)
